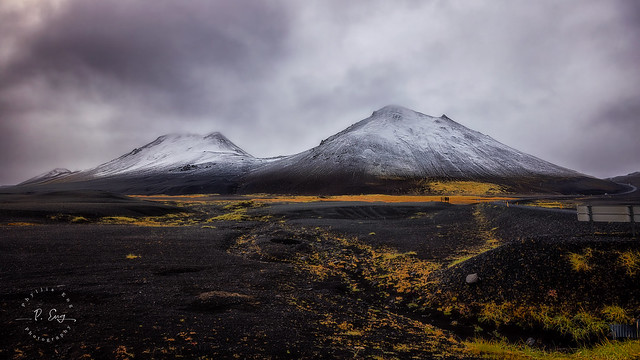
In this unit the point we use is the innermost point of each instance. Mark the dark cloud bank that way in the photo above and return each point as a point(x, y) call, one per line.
point(82, 82)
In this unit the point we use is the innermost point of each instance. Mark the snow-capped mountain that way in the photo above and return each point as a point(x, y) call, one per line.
point(396, 141)
point(176, 152)
point(171, 164)
point(391, 151)
point(398, 144)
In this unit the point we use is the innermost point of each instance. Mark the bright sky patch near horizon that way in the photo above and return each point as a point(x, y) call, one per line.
point(83, 82)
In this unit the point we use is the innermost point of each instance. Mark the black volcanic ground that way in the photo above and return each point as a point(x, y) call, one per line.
point(305, 280)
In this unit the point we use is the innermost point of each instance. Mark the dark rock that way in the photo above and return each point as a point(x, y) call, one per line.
point(530, 341)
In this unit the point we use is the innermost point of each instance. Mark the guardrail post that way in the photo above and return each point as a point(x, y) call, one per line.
point(633, 222)
point(590, 212)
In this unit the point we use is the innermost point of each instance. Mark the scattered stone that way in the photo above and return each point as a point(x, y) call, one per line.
point(472, 278)
point(530, 341)
point(188, 167)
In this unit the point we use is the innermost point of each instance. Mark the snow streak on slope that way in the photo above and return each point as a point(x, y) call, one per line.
point(55, 174)
point(396, 141)
point(176, 152)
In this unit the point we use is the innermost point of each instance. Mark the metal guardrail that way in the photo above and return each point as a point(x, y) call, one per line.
point(625, 331)
point(610, 213)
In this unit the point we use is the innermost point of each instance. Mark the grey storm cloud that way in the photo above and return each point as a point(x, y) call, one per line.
point(82, 82)
point(108, 71)
point(161, 47)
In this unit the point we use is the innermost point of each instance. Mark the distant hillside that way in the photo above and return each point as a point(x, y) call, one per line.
point(633, 179)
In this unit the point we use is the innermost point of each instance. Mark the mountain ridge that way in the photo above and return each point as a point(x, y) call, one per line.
point(390, 151)
point(398, 142)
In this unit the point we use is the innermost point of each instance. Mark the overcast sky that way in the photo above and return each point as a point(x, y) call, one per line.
point(83, 82)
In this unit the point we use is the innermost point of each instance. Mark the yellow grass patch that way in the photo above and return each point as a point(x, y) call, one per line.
point(610, 350)
point(580, 262)
point(269, 198)
point(630, 260)
point(239, 212)
point(457, 199)
point(462, 259)
point(118, 220)
point(616, 314)
point(68, 218)
point(232, 216)
point(462, 187)
point(20, 224)
point(551, 204)
point(179, 219)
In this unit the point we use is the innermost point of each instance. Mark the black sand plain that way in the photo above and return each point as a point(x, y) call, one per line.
point(290, 280)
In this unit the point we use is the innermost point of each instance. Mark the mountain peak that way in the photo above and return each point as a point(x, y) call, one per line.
point(216, 135)
point(214, 141)
point(391, 122)
point(396, 112)
point(224, 143)
point(174, 151)
point(393, 107)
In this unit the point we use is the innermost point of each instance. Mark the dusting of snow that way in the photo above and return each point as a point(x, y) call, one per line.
point(396, 141)
point(177, 152)
point(55, 174)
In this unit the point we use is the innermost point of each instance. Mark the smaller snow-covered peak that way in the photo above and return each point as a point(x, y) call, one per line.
point(214, 142)
point(56, 173)
point(173, 151)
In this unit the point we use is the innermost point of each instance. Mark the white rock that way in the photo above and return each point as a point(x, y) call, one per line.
point(472, 278)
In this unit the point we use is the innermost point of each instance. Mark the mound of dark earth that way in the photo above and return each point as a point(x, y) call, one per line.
point(535, 271)
point(535, 258)
point(90, 204)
